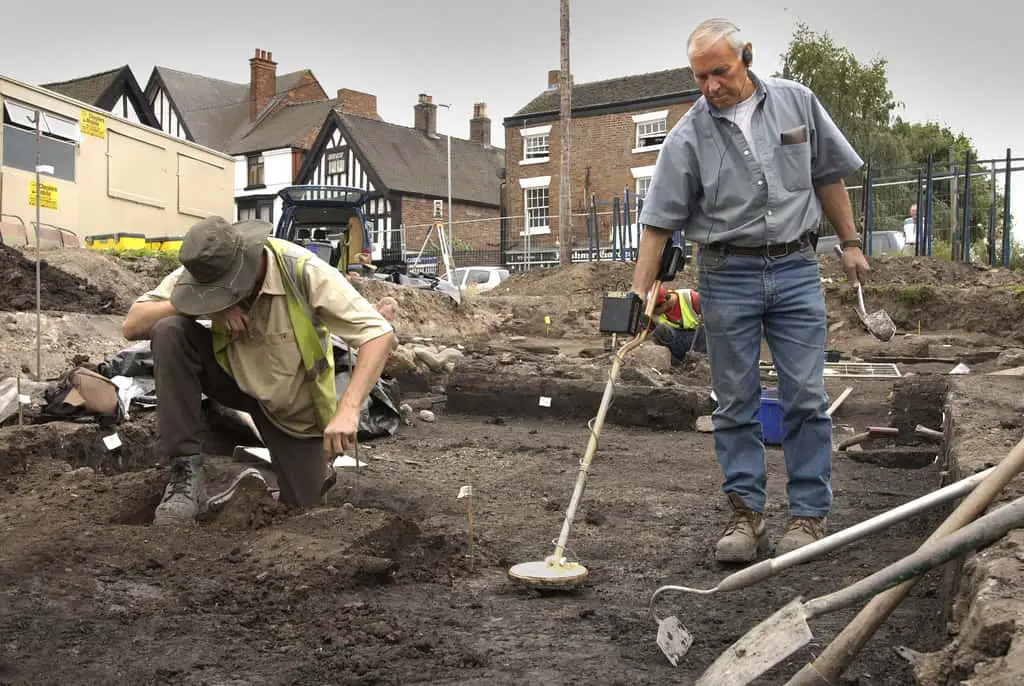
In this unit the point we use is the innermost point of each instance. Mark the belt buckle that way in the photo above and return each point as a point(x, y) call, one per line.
point(776, 251)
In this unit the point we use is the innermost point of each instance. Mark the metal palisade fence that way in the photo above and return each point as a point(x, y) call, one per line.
point(918, 210)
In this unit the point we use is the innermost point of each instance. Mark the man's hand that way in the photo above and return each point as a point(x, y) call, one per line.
point(233, 319)
point(855, 264)
point(340, 432)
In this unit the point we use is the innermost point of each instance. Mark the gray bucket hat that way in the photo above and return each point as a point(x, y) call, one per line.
point(222, 264)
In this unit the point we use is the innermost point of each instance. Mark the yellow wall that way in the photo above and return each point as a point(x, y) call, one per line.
point(131, 179)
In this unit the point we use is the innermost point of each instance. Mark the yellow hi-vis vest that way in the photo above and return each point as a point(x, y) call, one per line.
point(685, 308)
point(313, 338)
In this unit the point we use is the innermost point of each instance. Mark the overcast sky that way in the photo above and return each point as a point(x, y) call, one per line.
point(957, 70)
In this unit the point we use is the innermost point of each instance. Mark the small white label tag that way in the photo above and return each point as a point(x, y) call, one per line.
point(24, 399)
point(465, 492)
point(545, 401)
point(113, 441)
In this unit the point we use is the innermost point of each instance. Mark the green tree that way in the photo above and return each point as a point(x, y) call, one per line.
point(857, 96)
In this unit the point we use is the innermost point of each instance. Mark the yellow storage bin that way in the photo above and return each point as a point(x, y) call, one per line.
point(171, 244)
point(154, 242)
point(101, 241)
point(130, 241)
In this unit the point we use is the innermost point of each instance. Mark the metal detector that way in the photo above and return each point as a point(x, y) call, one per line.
point(621, 313)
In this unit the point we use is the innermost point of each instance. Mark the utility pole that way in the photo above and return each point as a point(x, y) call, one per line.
point(564, 146)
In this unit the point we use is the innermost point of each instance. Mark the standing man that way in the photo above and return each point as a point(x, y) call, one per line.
point(676, 318)
point(272, 305)
point(746, 174)
point(910, 231)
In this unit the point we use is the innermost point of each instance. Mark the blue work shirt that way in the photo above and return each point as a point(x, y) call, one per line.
point(711, 185)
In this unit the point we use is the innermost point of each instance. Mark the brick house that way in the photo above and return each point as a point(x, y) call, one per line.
point(405, 169)
point(618, 126)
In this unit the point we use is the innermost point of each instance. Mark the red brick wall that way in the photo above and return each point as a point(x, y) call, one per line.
point(307, 90)
point(602, 156)
point(417, 215)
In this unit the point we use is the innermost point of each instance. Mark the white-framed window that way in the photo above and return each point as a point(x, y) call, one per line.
point(537, 202)
point(642, 184)
point(58, 139)
point(337, 164)
point(651, 129)
point(536, 144)
point(642, 176)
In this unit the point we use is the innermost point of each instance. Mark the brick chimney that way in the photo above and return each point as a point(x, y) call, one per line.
point(480, 125)
point(262, 81)
point(358, 103)
point(426, 116)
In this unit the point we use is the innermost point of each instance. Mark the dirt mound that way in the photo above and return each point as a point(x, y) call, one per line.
point(58, 289)
point(586, 277)
point(431, 314)
point(927, 270)
point(127, 277)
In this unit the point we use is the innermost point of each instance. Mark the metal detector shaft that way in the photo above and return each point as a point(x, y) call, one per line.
point(595, 431)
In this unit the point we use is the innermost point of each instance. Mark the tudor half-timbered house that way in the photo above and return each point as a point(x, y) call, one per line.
point(404, 169)
point(116, 91)
point(267, 124)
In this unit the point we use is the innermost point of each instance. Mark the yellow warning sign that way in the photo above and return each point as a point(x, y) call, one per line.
point(47, 195)
point(92, 124)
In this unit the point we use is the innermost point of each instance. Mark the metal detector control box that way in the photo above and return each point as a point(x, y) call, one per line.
point(621, 313)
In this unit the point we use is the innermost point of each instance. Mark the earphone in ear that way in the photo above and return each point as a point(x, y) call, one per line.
point(748, 55)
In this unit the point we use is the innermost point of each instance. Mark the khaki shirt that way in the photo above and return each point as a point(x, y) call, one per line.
point(265, 360)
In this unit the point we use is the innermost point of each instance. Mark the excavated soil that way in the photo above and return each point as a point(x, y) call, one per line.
point(59, 290)
point(376, 586)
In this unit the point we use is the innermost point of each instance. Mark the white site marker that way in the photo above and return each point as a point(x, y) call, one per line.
point(113, 441)
point(467, 493)
point(545, 401)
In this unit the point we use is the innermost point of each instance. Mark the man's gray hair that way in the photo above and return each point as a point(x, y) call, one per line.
point(710, 31)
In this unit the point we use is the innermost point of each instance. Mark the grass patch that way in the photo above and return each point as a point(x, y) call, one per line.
point(167, 259)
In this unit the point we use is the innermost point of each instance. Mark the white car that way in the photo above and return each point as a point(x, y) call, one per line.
point(477, 279)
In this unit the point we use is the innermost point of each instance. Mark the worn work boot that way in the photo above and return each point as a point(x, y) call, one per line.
point(184, 494)
point(801, 531)
point(745, 535)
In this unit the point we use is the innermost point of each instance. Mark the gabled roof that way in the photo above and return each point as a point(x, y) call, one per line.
point(216, 112)
point(407, 161)
point(287, 126)
point(624, 90)
point(105, 89)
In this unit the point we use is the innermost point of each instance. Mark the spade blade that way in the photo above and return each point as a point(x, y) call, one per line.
point(674, 639)
point(761, 648)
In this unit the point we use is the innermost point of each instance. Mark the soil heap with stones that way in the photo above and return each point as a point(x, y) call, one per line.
point(59, 290)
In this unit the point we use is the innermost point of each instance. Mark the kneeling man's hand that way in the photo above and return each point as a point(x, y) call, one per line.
point(340, 433)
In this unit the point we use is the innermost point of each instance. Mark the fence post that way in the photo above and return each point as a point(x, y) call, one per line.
point(1006, 212)
point(992, 221)
point(626, 222)
point(597, 226)
point(965, 228)
point(616, 238)
point(928, 188)
point(869, 211)
point(918, 221)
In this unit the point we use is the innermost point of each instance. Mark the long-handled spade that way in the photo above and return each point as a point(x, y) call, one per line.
point(675, 639)
point(556, 572)
point(785, 632)
point(878, 323)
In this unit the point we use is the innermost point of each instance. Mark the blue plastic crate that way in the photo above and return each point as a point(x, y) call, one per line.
point(770, 416)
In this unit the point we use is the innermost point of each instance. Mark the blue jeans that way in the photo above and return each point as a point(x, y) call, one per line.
point(678, 341)
point(741, 296)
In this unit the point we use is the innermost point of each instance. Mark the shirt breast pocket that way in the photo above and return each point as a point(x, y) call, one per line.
point(282, 354)
point(793, 162)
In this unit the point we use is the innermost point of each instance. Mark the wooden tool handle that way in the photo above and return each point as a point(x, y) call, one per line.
point(838, 655)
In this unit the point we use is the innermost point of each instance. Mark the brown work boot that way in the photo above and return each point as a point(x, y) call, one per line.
point(801, 531)
point(745, 535)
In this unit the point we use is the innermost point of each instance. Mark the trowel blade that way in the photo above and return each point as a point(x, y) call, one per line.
point(674, 639)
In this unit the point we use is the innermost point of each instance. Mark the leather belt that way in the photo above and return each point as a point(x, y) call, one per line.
point(772, 250)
